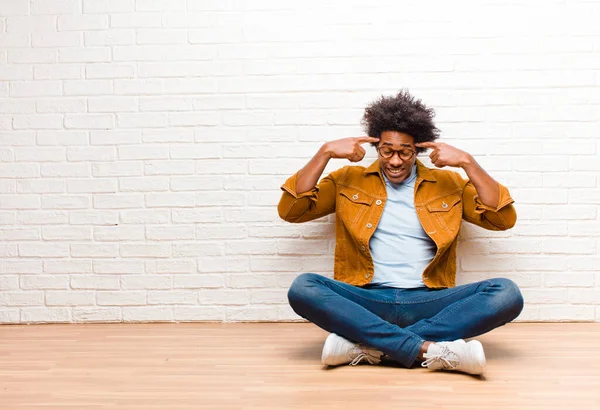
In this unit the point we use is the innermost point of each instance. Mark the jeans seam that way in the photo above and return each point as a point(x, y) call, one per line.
point(455, 308)
point(430, 300)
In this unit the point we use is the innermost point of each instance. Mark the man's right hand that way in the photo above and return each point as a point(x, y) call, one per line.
point(349, 148)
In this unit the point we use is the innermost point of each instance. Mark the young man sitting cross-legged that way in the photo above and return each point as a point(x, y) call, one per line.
point(397, 223)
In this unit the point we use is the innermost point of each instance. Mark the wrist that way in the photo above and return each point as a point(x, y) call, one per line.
point(467, 161)
point(325, 151)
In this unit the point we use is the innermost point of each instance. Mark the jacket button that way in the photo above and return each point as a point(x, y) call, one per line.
point(368, 275)
point(363, 248)
point(378, 202)
point(369, 226)
point(444, 205)
point(355, 197)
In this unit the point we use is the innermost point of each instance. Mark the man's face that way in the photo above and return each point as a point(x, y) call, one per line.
point(396, 169)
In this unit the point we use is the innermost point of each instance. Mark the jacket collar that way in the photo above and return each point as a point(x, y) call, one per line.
point(422, 171)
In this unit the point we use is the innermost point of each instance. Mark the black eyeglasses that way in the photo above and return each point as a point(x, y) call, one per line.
point(405, 154)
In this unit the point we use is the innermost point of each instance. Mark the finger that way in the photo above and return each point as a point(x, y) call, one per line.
point(362, 140)
point(435, 155)
point(361, 151)
point(431, 145)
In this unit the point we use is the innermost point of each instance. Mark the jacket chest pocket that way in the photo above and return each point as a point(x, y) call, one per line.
point(447, 211)
point(353, 205)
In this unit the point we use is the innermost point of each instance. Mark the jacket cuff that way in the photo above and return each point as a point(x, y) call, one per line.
point(290, 187)
point(503, 201)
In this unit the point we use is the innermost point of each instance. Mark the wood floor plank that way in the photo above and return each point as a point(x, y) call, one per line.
point(277, 366)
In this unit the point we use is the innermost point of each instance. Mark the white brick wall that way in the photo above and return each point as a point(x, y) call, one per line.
point(143, 143)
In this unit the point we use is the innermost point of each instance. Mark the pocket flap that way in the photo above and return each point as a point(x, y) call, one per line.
point(356, 196)
point(443, 204)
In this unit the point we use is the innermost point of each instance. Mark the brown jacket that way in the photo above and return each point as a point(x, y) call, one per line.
point(357, 195)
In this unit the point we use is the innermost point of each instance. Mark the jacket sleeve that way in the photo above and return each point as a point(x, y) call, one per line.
point(499, 218)
point(307, 206)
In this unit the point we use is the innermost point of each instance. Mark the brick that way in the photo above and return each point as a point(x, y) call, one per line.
point(204, 281)
point(118, 201)
point(112, 104)
point(83, 55)
point(171, 200)
point(66, 233)
point(150, 216)
point(136, 20)
point(70, 267)
point(190, 216)
point(108, 6)
point(89, 121)
point(140, 282)
point(45, 315)
point(82, 22)
point(42, 217)
point(94, 186)
point(118, 233)
point(109, 70)
point(173, 233)
point(147, 151)
point(170, 135)
point(35, 282)
point(182, 250)
point(90, 88)
point(9, 316)
point(160, 5)
point(58, 106)
point(38, 122)
point(171, 266)
point(203, 151)
point(27, 24)
point(196, 183)
point(252, 313)
point(104, 250)
point(121, 267)
point(56, 39)
point(65, 170)
point(172, 297)
point(169, 167)
point(161, 36)
point(19, 170)
point(28, 298)
point(93, 217)
point(224, 297)
point(145, 251)
point(9, 282)
point(144, 184)
point(101, 315)
point(95, 282)
point(117, 169)
point(20, 234)
point(55, 7)
point(121, 298)
point(113, 37)
point(115, 137)
point(147, 314)
point(43, 250)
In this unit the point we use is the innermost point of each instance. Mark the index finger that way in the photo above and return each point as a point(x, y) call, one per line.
point(362, 140)
point(427, 145)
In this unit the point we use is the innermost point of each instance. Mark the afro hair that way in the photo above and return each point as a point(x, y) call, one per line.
point(403, 113)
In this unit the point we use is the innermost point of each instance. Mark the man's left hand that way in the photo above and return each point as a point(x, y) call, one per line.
point(444, 155)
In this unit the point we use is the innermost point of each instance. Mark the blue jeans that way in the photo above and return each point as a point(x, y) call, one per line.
point(398, 321)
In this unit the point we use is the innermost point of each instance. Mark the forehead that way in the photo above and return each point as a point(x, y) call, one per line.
point(396, 139)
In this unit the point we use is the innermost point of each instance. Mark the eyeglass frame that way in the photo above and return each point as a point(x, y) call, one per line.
point(394, 151)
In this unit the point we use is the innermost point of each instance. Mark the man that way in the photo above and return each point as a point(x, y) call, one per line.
point(397, 223)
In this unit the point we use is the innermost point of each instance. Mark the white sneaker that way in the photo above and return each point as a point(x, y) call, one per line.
point(338, 350)
point(457, 355)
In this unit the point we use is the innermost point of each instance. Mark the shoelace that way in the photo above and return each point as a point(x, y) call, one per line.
point(444, 357)
point(360, 355)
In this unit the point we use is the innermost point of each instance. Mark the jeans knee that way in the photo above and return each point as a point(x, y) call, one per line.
point(300, 289)
point(510, 296)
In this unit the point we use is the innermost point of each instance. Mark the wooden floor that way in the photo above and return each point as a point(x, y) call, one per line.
point(277, 366)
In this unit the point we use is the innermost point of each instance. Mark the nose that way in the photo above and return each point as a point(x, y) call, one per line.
point(395, 161)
